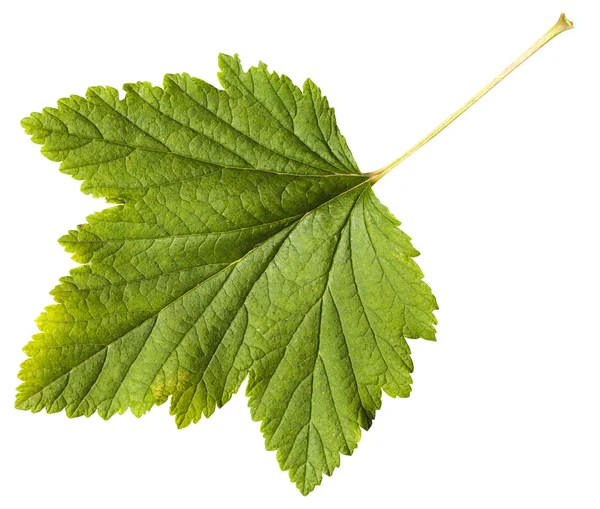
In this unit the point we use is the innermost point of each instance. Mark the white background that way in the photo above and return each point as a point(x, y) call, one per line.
point(503, 205)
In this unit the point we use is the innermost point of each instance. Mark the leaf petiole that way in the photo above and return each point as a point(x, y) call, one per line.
point(560, 26)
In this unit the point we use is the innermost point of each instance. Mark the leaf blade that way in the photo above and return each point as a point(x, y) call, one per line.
point(244, 242)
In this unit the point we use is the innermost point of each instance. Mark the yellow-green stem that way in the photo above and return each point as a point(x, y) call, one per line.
point(561, 25)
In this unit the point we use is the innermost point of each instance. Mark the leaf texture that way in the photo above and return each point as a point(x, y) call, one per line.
point(244, 242)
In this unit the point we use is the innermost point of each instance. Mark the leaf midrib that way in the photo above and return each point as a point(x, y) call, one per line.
point(190, 158)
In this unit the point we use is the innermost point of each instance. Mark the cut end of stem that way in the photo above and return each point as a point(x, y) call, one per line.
point(563, 24)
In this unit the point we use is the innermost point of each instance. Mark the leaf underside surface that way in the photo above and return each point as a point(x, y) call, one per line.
point(244, 243)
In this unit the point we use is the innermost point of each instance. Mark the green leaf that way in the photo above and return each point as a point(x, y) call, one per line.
point(244, 242)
